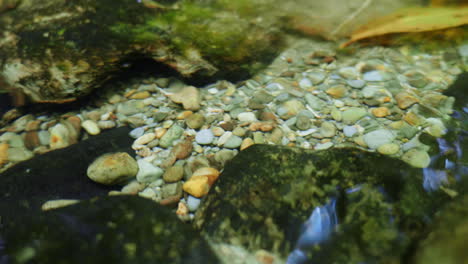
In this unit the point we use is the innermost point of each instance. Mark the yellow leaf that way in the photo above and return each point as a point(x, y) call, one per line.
point(412, 20)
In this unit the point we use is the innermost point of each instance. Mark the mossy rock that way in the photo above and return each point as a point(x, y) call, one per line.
point(57, 50)
point(116, 229)
point(267, 192)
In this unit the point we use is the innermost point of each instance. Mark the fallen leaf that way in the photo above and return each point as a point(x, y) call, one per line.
point(412, 20)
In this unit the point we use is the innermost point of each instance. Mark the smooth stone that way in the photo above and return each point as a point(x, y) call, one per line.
point(247, 117)
point(193, 203)
point(388, 149)
point(416, 79)
point(19, 154)
point(171, 135)
point(224, 155)
point(173, 174)
point(197, 186)
point(380, 111)
point(59, 136)
point(172, 190)
point(147, 172)
point(246, 142)
point(316, 77)
point(31, 140)
point(405, 100)
point(373, 76)
point(378, 137)
point(91, 127)
point(327, 129)
point(349, 73)
point(189, 97)
point(137, 132)
point(349, 131)
point(337, 91)
point(358, 84)
point(195, 121)
point(133, 187)
point(436, 127)
point(291, 108)
point(145, 139)
point(13, 139)
point(353, 114)
point(417, 158)
point(303, 122)
point(323, 146)
point(314, 102)
point(3, 153)
point(233, 142)
point(336, 114)
point(113, 168)
point(130, 107)
point(305, 83)
point(204, 137)
point(59, 203)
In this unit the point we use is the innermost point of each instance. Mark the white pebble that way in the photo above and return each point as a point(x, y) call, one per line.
point(349, 131)
point(247, 117)
point(204, 137)
point(91, 127)
point(322, 146)
point(193, 203)
point(224, 138)
point(137, 132)
point(145, 139)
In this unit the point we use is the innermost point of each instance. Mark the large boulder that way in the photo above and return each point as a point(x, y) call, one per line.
point(57, 50)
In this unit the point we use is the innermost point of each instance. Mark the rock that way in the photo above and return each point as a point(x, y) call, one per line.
point(338, 91)
point(137, 132)
point(373, 76)
point(59, 136)
point(172, 134)
point(327, 129)
point(62, 178)
point(140, 223)
point(54, 204)
point(349, 73)
point(314, 102)
point(275, 181)
point(183, 149)
point(140, 95)
point(353, 114)
point(145, 139)
point(91, 127)
point(195, 121)
point(316, 76)
point(247, 117)
point(130, 107)
point(417, 158)
point(416, 79)
point(246, 142)
point(113, 168)
point(291, 108)
point(189, 97)
point(197, 186)
point(380, 111)
point(211, 173)
point(323, 146)
point(224, 156)
point(358, 84)
point(436, 127)
point(19, 154)
point(378, 137)
point(31, 140)
point(193, 203)
point(147, 172)
point(173, 174)
point(171, 191)
point(133, 187)
point(233, 142)
point(349, 131)
point(44, 137)
point(388, 149)
point(204, 137)
point(3, 153)
point(405, 100)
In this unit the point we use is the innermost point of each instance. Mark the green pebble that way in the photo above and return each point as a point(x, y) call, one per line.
point(195, 121)
point(353, 114)
point(417, 158)
point(388, 149)
point(172, 134)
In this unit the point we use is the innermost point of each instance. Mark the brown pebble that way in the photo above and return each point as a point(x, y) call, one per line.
point(182, 209)
point(380, 111)
point(33, 125)
point(267, 116)
point(171, 200)
point(3, 153)
point(227, 126)
point(173, 174)
point(182, 150)
point(413, 119)
point(140, 95)
point(209, 172)
point(338, 91)
point(31, 140)
point(183, 115)
point(247, 142)
point(130, 93)
point(405, 100)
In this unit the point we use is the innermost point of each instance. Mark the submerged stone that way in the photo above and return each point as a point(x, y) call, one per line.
point(115, 229)
point(266, 192)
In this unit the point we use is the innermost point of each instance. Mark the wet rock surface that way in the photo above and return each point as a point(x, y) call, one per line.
point(119, 229)
point(379, 203)
point(59, 174)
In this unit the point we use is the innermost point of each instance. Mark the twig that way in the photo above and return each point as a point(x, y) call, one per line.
point(349, 18)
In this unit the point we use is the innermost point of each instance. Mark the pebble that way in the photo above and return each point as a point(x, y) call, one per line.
point(106, 124)
point(137, 132)
point(91, 127)
point(247, 117)
point(291, 108)
point(31, 140)
point(247, 142)
point(44, 137)
point(405, 100)
point(323, 146)
point(378, 137)
point(59, 137)
point(133, 187)
point(353, 114)
point(327, 129)
point(130, 107)
point(436, 127)
point(172, 134)
point(145, 139)
point(197, 186)
point(173, 174)
point(54, 204)
point(316, 77)
point(388, 149)
point(373, 76)
point(193, 203)
point(113, 168)
point(338, 91)
point(233, 142)
point(3, 153)
point(349, 73)
point(189, 97)
point(182, 209)
point(358, 84)
point(314, 102)
point(147, 172)
point(195, 121)
point(140, 95)
point(349, 131)
point(417, 158)
point(380, 111)
point(204, 137)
